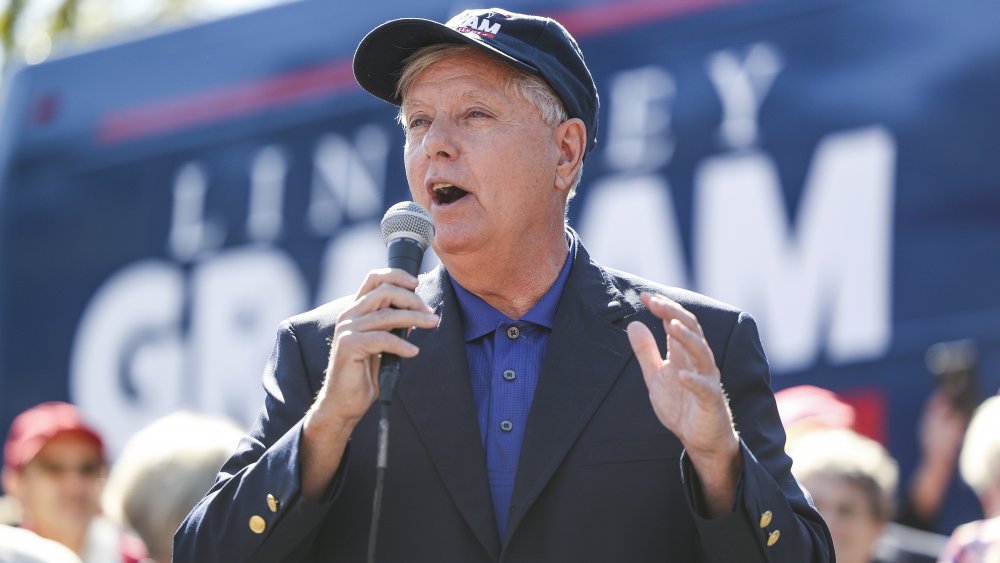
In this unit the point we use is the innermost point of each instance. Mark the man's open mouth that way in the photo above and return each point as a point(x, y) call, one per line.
point(447, 193)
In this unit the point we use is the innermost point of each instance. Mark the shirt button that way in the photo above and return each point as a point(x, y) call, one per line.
point(506, 426)
point(509, 375)
point(513, 332)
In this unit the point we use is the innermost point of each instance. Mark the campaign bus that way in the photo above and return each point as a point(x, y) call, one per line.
point(831, 167)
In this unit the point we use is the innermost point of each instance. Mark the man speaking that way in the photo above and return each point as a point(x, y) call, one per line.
point(548, 409)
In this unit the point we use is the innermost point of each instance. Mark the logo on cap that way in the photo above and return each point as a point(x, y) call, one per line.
point(483, 27)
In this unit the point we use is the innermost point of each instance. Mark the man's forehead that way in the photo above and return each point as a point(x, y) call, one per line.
point(414, 98)
point(466, 65)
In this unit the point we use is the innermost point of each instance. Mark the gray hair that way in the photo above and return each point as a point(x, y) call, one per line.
point(980, 458)
point(180, 453)
point(850, 456)
point(525, 85)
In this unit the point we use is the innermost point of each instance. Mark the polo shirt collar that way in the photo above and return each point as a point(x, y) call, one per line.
point(479, 318)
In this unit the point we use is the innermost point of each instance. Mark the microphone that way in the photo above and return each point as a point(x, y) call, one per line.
point(407, 229)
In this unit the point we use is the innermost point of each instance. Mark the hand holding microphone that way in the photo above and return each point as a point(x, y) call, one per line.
point(407, 230)
point(372, 325)
point(375, 324)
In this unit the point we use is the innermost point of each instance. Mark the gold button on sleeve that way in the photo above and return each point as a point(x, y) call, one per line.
point(257, 524)
point(765, 518)
point(273, 503)
point(773, 538)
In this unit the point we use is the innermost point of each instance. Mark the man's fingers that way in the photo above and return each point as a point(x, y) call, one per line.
point(389, 319)
point(677, 354)
point(393, 276)
point(364, 345)
point(706, 389)
point(383, 297)
point(644, 345)
point(668, 309)
point(697, 352)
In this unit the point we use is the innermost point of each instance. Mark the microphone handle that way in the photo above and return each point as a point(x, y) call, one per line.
point(406, 254)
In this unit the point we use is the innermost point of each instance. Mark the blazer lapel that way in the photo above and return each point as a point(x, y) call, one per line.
point(586, 353)
point(435, 391)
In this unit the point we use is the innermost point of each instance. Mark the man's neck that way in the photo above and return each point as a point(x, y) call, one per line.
point(511, 282)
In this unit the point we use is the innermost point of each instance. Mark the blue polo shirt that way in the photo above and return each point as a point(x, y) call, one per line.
point(505, 358)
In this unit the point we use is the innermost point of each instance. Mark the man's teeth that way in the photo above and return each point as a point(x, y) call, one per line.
point(447, 193)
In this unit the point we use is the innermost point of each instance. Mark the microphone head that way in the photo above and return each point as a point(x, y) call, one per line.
point(408, 219)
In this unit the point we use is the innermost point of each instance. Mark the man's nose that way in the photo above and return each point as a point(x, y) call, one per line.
point(441, 141)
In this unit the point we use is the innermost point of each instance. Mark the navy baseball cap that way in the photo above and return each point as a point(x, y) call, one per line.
point(535, 44)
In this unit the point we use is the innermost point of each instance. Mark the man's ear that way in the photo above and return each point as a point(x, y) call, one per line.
point(571, 141)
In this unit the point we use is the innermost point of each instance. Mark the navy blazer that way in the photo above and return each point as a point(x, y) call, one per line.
point(600, 478)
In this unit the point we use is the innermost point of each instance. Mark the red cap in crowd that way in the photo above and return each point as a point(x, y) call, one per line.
point(35, 427)
point(813, 405)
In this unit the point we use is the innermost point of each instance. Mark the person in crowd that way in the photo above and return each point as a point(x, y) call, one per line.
point(806, 409)
point(549, 409)
point(979, 464)
point(940, 432)
point(54, 466)
point(853, 480)
point(164, 469)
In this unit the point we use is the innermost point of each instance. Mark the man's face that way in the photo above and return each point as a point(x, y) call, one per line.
point(60, 488)
point(464, 130)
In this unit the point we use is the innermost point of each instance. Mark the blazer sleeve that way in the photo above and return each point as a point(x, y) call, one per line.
point(255, 510)
point(773, 519)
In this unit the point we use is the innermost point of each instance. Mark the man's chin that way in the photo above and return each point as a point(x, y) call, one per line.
point(452, 242)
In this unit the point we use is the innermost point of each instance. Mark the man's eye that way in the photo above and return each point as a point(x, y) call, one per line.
point(418, 122)
point(478, 113)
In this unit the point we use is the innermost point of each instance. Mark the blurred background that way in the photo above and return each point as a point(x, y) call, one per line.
point(178, 176)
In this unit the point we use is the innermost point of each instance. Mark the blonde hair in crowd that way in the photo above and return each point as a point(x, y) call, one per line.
point(848, 455)
point(980, 458)
point(163, 471)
